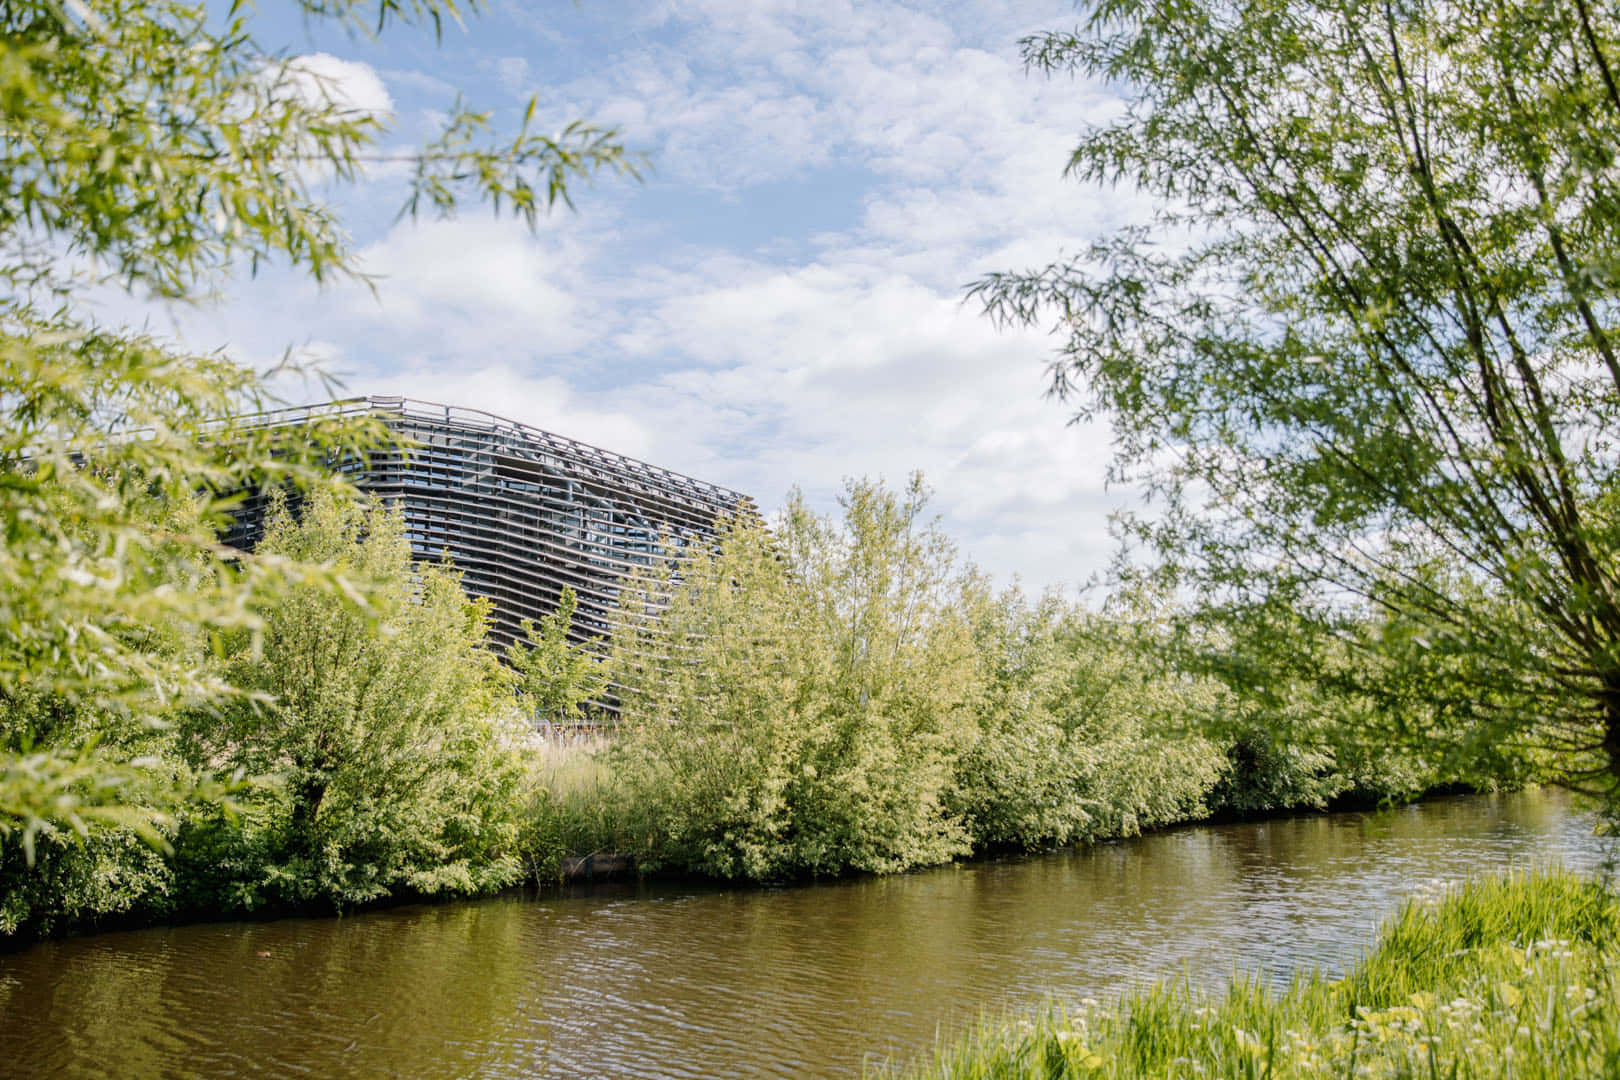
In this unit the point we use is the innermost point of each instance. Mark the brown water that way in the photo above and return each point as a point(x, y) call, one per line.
point(804, 981)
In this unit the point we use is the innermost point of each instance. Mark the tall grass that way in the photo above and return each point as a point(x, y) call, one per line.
point(574, 804)
point(1505, 977)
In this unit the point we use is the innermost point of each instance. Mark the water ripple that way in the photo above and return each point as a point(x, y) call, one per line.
point(685, 982)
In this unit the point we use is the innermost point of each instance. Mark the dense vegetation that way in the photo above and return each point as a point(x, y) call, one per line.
point(1364, 354)
point(1507, 976)
point(831, 695)
point(186, 730)
point(152, 148)
point(851, 695)
point(1374, 389)
point(369, 745)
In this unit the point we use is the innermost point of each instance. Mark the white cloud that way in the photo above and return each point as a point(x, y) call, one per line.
point(760, 372)
point(469, 291)
point(348, 85)
point(760, 378)
point(836, 375)
point(514, 75)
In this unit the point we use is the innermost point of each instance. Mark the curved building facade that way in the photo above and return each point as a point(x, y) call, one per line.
point(521, 512)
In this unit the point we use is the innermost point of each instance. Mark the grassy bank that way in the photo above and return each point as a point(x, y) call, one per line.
point(1505, 977)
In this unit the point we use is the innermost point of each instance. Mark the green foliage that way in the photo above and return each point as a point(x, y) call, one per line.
point(1327, 720)
point(378, 731)
point(229, 859)
point(556, 678)
point(1302, 731)
point(163, 139)
point(73, 879)
point(1017, 782)
point(1266, 773)
point(1135, 722)
point(849, 696)
point(1085, 730)
point(153, 146)
point(1365, 354)
point(111, 575)
point(1503, 977)
point(805, 697)
point(1311, 760)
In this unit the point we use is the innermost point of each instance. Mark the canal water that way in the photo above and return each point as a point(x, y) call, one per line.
point(673, 981)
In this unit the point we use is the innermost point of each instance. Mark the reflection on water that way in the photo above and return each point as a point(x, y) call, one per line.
point(681, 981)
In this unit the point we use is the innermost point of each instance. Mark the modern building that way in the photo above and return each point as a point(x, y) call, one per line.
point(521, 512)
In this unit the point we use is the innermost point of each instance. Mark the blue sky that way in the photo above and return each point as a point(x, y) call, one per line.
point(780, 302)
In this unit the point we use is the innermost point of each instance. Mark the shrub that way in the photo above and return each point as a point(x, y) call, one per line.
point(813, 691)
point(78, 881)
point(1134, 722)
point(1018, 783)
point(378, 731)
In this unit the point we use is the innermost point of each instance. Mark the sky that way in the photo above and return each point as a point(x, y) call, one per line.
point(781, 300)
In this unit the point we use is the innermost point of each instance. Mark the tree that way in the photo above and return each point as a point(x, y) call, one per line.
point(556, 678)
point(377, 732)
point(156, 146)
point(798, 702)
point(1365, 354)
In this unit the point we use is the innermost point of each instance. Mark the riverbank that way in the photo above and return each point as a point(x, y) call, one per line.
point(595, 866)
point(852, 698)
point(1512, 975)
point(586, 804)
point(595, 811)
point(586, 808)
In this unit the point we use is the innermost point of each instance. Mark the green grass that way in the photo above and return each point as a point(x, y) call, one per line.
point(574, 804)
point(1505, 977)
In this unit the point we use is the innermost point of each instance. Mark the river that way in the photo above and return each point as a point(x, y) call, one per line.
point(677, 980)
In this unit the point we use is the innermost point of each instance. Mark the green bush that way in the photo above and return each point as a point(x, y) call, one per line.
point(1134, 722)
point(78, 881)
point(1313, 752)
point(848, 695)
point(556, 679)
point(1019, 782)
point(378, 734)
point(1265, 773)
point(806, 699)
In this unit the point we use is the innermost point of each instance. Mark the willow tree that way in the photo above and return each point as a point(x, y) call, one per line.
point(154, 146)
point(1366, 351)
point(381, 734)
point(794, 701)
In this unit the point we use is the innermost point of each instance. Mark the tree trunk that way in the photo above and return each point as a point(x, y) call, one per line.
point(307, 795)
point(1611, 728)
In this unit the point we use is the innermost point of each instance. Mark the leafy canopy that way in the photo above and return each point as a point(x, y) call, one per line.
point(1366, 352)
point(161, 143)
point(379, 733)
point(154, 146)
